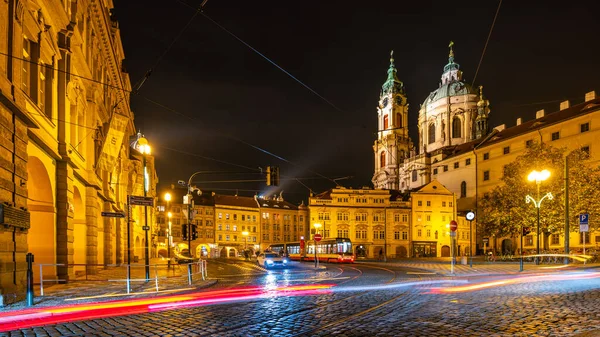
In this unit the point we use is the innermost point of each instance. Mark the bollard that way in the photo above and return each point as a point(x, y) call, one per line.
point(29, 279)
point(189, 273)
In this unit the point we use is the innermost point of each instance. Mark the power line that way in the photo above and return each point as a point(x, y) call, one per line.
point(486, 42)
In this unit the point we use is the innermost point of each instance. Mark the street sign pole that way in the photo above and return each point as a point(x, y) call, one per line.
point(584, 221)
point(453, 227)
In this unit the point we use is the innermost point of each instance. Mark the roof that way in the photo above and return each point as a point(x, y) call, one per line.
point(454, 88)
point(232, 200)
point(323, 195)
point(270, 203)
point(551, 118)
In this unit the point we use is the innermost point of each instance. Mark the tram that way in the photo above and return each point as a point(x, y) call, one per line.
point(337, 250)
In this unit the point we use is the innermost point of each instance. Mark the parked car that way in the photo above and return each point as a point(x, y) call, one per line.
point(271, 260)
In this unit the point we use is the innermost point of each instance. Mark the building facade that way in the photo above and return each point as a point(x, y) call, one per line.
point(457, 147)
point(65, 123)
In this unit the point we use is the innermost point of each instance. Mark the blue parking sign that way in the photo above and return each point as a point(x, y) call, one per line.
point(584, 219)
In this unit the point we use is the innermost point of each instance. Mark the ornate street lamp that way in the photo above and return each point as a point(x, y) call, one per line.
point(144, 149)
point(538, 177)
point(169, 215)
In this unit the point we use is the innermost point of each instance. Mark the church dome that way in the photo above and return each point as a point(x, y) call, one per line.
point(456, 88)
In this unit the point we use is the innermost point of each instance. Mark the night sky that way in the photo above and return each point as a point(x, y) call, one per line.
point(212, 101)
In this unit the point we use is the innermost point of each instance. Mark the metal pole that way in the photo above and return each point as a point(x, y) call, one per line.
point(41, 281)
point(521, 262)
point(584, 247)
point(168, 237)
point(156, 276)
point(452, 254)
point(128, 233)
point(189, 273)
point(146, 226)
point(471, 241)
point(567, 230)
point(538, 223)
point(190, 197)
point(29, 259)
point(128, 278)
point(385, 234)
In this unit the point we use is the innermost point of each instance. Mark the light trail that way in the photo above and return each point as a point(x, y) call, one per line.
point(28, 318)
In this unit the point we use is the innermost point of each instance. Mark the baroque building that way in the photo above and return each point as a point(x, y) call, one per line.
point(65, 122)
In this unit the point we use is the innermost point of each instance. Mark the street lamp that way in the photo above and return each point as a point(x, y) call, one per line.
point(538, 177)
point(144, 149)
point(169, 215)
point(471, 216)
point(317, 226)
point(190, 206)
point(245, 235)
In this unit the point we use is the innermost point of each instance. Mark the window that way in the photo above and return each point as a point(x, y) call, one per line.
point(45, 89)
point(324, 216)
point(26, 67)
point(377, 217)
point(506, 150)
point(486, 175)
point(586, 149)
point(585, 127)
point(419, 232)
point(227, 227)
point(396, 217)
point(226, 237)
point(265, 237)
point(420, 203)
point(463, 189)
point(378, 235)
point(486, 156)
point(414, 175)
point(361, 216)
point(342, 233)
point(456, 165)
point(404, 235)
point(361, 234)
point(386, 122)
point(396, 235)
point(227, 216)
point(234, 228)
point(445, 168)
point(443, 218)
point(529, 240)
point(443, 204)
point(456, 129)
point(404, 217)
point(220, 237)
point(467, 161)
point(435, 171)
point(220, 215)
point(428, 218)
point(431, 133)
point(555, 239)
point(428, 202)
point(382, 159)
point(555, 135)
point(428, 233)
point(529, 143)
point(342, 216)
point(450, 204)
point(398, 120)
point(220, 227)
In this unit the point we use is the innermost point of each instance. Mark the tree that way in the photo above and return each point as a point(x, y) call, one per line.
point(503, 211)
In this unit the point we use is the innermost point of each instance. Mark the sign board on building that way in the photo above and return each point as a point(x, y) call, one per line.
point(486, 240)
point(141, 201)
point(113, 214)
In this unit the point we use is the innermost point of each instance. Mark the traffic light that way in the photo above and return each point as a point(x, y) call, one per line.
point(184, 232)
point(194, 232)
point(526, 230)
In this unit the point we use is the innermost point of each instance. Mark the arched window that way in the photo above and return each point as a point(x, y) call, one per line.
point(382, 159)
point(456, 129)
point(385, 122)
point(414, 175)
point(398, 120)
point(463, 189)
point(431, 133)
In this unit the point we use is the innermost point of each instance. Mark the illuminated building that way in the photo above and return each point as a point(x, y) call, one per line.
point(66, 123)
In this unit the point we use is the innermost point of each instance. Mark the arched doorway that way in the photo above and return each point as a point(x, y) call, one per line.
point(507, 246)
point(445, 251)
point(401, 252)
point(79, 233)
point(41, 238)
point(361, 251)
point(162, 253)
point(223, 252)
point(232, 252)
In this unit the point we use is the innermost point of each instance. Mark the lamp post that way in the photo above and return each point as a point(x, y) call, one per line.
point(169, 215)
point(190, 205)
point(317, 226)
point(144, 149)
point(470, 216)
point(538, 177)
point(245, 235)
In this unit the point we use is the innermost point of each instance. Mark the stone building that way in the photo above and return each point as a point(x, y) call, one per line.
point(65, 122)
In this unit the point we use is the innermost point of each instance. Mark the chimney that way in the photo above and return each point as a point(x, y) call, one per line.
point(590, 96)
point(539, 114)
point(500, 127)
point(565, 105)
point(519, 121)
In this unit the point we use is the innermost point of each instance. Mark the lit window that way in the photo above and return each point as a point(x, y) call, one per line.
point(555, 135)
point(585, 127)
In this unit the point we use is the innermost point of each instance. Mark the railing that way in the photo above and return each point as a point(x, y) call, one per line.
point(194, 270)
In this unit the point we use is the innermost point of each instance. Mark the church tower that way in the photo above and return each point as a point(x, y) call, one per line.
point(393, 143)
point(483, 110)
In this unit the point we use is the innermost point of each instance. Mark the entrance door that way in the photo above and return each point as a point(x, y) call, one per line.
point(445, 251)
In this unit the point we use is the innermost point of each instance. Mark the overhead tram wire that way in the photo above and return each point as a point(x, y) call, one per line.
point(486, 42)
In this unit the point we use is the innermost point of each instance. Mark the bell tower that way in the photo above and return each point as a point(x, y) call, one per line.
point(393, 143)
point(483, 110)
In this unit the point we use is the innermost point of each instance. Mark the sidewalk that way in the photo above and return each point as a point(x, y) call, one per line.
point(442, 266)
point(109, 284)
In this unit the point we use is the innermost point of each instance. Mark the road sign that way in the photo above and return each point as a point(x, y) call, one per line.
point(584, 228)
point(486, 240)
point(113, 214)
point(452, 234)
point(141, 201)
point(584, 219)
point(453, 225)
point(470, 216)
point(146, 228)
point(318, 237)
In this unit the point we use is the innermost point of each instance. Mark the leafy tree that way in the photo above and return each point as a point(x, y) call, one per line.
point(503, 211)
